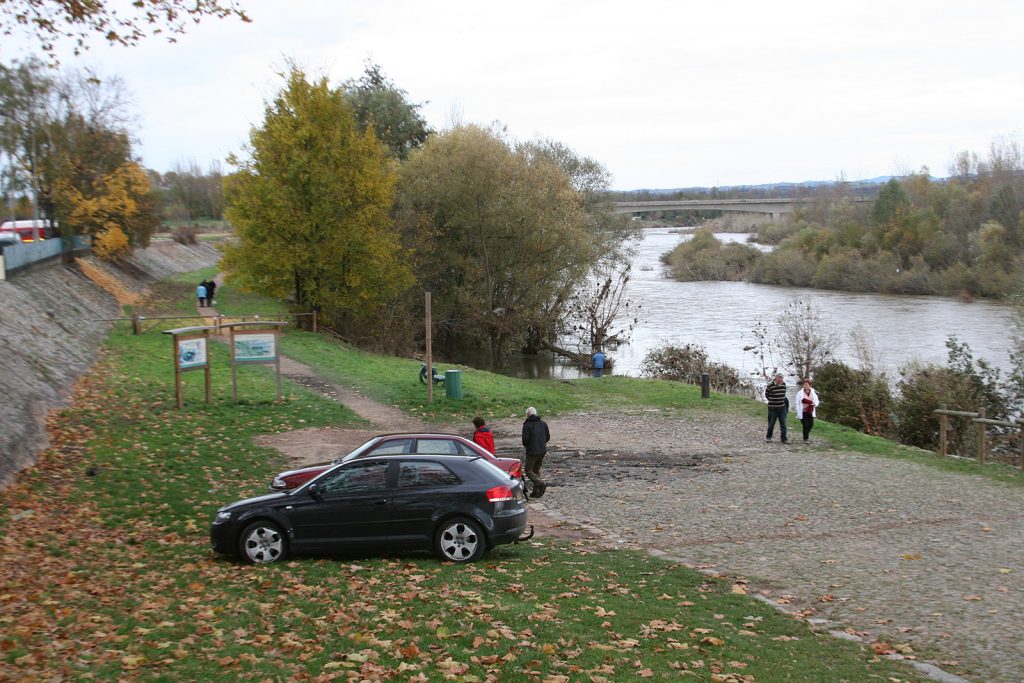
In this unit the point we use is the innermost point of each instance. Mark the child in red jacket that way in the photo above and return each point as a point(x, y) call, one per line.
point(483, 436)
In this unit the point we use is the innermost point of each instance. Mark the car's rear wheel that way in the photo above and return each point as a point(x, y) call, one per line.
point(460, 540)
point(262, 542)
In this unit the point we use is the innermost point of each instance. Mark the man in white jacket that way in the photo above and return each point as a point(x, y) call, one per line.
point(806, 401)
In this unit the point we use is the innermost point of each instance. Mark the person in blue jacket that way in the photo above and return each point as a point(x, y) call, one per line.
point(598, 363)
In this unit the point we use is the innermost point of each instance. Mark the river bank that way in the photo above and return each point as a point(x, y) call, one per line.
point(720, 316)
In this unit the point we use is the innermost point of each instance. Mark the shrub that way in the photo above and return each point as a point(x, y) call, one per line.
point(915, 279)
point(788, 267)
point(923, 390)
point(856, 398)
point(705, 258)
point(687, 363)
point(964, 384)
point(958, 279)
point(774, 233)
point(111, 244)
point(847, 270)
point(185, 234)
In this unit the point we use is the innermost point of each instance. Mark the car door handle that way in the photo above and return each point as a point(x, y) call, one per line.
point(381, 502)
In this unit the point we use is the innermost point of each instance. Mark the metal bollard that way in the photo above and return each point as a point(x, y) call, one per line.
point(705, 385)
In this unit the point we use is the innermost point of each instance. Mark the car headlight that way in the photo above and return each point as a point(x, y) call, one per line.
point(223, 516)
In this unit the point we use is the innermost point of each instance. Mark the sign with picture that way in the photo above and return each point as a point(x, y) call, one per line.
point(255, 347)
point(191, 353)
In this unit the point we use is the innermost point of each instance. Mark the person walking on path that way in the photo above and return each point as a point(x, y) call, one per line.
point(535, 440)
point(483, 436)
point(806, 403)
point(201, 293)
point(211, 288)
point(775, 394)
point(598, 363)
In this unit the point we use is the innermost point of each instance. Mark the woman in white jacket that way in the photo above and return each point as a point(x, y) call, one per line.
point(806, 401)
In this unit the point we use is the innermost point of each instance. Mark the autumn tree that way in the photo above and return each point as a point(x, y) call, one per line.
point(310, 206)
point(509, 237)
point(51, 21)
point(66, 141)
point(379, 104)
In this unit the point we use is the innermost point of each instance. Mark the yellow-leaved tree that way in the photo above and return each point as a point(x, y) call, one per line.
point(311, 208)
point(113, 206)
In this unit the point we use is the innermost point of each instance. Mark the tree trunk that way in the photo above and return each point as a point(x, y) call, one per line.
point(565, 353)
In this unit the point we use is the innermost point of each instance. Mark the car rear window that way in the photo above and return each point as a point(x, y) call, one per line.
point(438, 447)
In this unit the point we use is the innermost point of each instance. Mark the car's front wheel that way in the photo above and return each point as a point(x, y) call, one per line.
point(262, 542)
point(460, 540)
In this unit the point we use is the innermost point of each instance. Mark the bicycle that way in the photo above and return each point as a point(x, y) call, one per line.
point(438, 375)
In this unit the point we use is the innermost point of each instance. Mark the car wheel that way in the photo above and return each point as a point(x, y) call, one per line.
point(262, 542)
point(460, 540)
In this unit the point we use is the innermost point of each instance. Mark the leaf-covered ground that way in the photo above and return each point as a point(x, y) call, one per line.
point(107, 573)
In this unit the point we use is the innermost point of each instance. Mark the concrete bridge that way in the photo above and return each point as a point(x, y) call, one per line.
point(772, 207)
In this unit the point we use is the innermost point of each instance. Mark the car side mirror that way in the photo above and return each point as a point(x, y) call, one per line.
point(314, 492)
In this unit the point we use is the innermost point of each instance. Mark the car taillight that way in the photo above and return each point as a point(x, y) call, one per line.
point(500, 493)
point(516, 470)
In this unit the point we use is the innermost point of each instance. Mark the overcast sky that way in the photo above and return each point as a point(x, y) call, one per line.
point(664, 94)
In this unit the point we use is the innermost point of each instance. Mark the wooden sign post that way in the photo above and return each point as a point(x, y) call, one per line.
point(255, 342)
point(430, 359)
point(191, 352)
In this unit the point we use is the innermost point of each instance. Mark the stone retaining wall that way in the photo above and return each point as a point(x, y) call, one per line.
point(49, 336)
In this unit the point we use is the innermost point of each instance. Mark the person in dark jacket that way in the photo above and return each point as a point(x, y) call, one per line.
point(535, 441)
point(211, 288)
point(778, 406)
point(482, 436)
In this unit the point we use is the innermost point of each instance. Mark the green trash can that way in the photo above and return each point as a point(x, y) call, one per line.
point(453, 383)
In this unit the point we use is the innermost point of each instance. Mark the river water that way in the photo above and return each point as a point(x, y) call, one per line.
point(721, 316)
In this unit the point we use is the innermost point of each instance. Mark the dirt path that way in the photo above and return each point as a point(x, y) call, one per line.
point(871, 548)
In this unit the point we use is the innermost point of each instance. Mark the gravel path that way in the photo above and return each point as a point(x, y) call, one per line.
point(876, 549)
point(886, 549)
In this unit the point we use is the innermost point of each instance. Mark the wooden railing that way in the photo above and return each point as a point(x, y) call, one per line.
point(139, 321)
point(982, 423)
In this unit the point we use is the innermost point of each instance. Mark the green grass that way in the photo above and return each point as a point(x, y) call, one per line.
point(121, 579)
point(394, 381)
point(845, 438)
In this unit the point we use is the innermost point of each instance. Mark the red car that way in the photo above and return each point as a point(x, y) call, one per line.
point(400, 444)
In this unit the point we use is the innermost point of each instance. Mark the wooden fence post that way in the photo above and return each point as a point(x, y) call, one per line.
point(943, 426)
point(982, 432)
point(1021, 445)
point(137, 326)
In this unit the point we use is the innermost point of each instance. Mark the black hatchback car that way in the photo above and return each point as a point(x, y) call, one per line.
point(458, 506)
